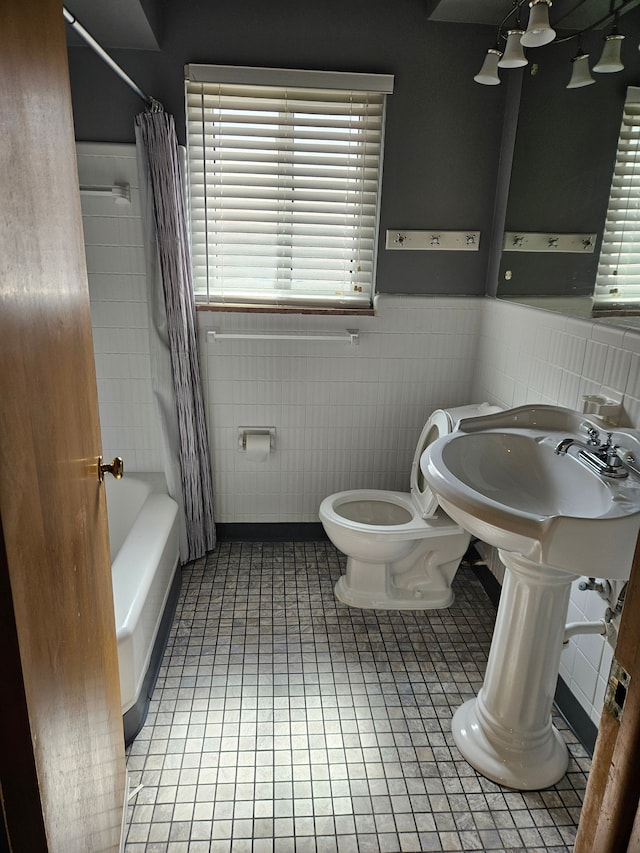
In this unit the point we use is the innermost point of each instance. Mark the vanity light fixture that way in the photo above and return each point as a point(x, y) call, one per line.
point(513, 53)
point(488, 74)
point(610, 60)
point(540, 32)
point(580, 74)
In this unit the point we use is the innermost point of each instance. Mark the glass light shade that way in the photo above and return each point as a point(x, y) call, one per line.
point(513, 53)
point(539, 31)
point(488, 74)
point(610, 59)
point(580, 76)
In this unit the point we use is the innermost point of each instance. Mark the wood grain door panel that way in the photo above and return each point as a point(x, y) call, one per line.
point(67, 757)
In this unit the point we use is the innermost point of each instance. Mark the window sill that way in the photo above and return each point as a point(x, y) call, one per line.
point(286, 309)
point(613, 311)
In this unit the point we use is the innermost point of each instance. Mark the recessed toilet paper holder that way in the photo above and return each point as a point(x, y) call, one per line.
point(245, 431)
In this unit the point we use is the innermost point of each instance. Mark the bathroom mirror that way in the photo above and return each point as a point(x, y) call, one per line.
point(565, 146)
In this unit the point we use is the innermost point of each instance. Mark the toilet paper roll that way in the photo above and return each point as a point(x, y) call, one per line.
point(258, 447)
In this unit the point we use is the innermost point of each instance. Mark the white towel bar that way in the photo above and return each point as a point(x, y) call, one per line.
point(120, 192)
point(350, 336)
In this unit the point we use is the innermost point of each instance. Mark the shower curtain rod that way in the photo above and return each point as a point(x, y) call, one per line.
point(93, 44)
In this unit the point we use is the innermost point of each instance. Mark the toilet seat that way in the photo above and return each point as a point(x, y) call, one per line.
point(416, 525)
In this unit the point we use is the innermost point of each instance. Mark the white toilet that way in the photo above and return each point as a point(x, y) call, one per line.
point(402, 550)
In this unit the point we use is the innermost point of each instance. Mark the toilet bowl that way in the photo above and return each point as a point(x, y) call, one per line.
point(402, 549)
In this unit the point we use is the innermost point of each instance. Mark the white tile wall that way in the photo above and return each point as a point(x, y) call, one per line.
point(528, 355)
point(346, 416)
point(117, 289)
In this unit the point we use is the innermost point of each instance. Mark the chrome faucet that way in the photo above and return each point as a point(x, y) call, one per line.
point(566, 443)
point(601, 457)
point(593, 441)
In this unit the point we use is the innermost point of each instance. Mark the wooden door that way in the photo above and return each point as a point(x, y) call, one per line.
point(62, 756)
point(609, 822)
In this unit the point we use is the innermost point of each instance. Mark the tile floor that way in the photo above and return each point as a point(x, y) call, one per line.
point(283, 720)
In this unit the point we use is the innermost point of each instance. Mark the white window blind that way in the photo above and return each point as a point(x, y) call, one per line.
point(618, 275)
point(284, 178)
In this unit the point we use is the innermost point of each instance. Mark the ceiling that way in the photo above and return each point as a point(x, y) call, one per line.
point(567, 14)
point(136, 24)
point(117, 23)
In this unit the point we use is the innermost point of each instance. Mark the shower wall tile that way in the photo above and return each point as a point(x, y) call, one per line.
point(117, 290)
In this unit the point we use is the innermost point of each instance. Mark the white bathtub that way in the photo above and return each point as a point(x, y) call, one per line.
point(143, 531)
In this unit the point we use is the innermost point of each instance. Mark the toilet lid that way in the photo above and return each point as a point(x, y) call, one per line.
point(441, 422)
point(438, 424)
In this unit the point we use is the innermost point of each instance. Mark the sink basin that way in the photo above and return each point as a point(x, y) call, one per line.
point(500, 478)
point(552, 518)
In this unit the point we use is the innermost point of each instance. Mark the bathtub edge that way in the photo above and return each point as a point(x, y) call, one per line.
point(133, 719)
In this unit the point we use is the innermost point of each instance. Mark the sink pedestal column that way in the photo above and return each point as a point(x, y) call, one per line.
point(506, 731)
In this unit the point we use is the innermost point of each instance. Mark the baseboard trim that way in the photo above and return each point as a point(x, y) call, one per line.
point(270, 532)
point(571, 710)
point(489, 582)
point(575, 716)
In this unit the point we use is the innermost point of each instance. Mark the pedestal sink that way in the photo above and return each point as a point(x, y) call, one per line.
point(553, 519)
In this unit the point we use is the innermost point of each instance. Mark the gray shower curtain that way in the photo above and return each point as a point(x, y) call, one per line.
point(175, 363)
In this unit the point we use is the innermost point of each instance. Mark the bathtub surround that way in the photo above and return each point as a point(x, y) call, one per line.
point(144, 542)
point(134, 718)
point(158, 151)
point(120, 313)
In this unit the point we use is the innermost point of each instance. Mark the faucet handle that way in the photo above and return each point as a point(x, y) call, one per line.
point(593, 433)
point(613, 460)
point(611, 449)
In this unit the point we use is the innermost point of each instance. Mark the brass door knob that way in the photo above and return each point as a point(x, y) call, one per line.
point(115, 467)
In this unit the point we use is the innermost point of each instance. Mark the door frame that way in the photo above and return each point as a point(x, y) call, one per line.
point(608, 821)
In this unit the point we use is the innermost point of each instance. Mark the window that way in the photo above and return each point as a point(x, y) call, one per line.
point(284, 176)
point(618, 276)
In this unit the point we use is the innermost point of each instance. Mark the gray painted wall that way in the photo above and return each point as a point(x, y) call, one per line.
point(564, 154)
point(443, 130)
